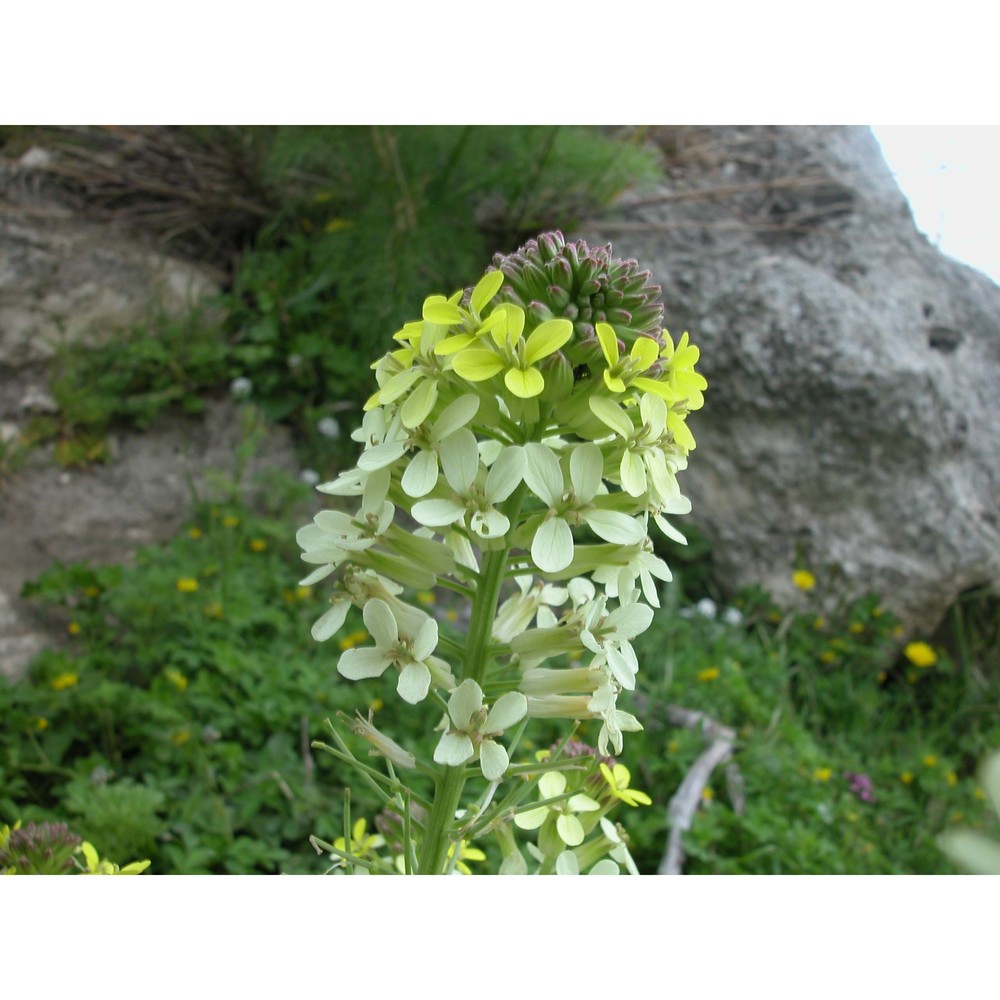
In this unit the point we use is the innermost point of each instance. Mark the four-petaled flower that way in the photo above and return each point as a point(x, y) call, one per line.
point(410, 654)
point(551, 785)
point(473, 730)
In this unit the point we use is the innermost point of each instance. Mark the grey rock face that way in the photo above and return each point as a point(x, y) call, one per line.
point(852, 420)
point(65, 279)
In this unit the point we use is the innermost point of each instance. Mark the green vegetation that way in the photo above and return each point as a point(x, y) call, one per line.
point(175, 721)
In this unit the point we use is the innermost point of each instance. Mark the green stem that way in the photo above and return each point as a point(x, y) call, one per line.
point(448, 789)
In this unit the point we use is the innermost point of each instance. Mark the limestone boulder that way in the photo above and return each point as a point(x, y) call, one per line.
point(852, 422)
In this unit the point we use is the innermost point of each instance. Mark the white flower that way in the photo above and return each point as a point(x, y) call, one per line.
point(310, 476)
point(641, 564)
point(421, 474)
point(473, 495)
point(551, 785)
point(568, 864)
point(515, 614)
point(552, 545)
point(241, 387)
point(329, 427)
point(473, 730)
point(608, 635)
point(410, 654)
point(732, 616)
point(706, 607)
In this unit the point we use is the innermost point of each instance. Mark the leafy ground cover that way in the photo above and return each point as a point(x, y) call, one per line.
point(175, 723)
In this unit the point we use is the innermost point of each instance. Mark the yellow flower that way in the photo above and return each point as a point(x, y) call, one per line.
point(930, 760)
point(95, 866)
point(353, 639)
point(920, 654)
point(819, 623)
point(91, 591)
point(618, 779)
point(856, 628)
point(951, 778)
point(258, 545)
point(707, 794)
point(194, 533)
point(803, 579)
point(362, 842)
point(180, 737)
point(906, 777)
point(425, 596)
point(65, 680)
point(465, 853)
point(451, 615)
point(882, 677)
point(709, 674)
point(73, 628)
point(377, 705)
point(176, 678)
point(877, 612)
point(823, 774)
point(979, 794)
point(303, 592)
point(828, 656)
point(41, 723)
point(230, 521)
point(673, 746)
point(187, 584)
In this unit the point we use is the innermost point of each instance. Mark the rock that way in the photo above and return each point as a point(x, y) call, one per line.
point(65, 279)
point(104, 513)
point(851, 420)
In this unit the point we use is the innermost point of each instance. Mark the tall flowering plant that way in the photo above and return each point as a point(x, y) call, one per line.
point(522, 446)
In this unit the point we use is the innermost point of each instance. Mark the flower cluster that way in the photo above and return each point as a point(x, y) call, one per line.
point(533, 427)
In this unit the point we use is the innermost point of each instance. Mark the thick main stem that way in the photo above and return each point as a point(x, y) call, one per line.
point(448, 790)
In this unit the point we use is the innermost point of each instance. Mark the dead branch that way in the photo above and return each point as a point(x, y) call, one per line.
point(684, 803)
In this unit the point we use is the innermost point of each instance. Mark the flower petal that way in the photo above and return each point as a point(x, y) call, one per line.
point(542, 473)
point(330, 622)
point(570, 830)
point(419, 404)
point(487, 286)
point(465, 701)
point(613, 526)
point(460, 459)
point(525, 383)
point(546, 339)
point(381, 623)
point(493, 759)
point(414, 682)
point(609, 343)
point(505, 474)
point(586, 469)
point(360, 664)
point(552, 546)
point(421, 474)
point(477, 364)
point(453, 749)
point(508, 710)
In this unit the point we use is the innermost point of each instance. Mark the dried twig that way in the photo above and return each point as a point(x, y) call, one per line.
point(684, 803)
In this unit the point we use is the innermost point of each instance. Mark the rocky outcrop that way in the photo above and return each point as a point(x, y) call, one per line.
point(851, 422)
point(64, 279)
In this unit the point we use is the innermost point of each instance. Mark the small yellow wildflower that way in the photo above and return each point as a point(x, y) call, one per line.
point(906, 777)
point(377, 705)
point(353, 639)
point(856, 628)
point(979, 794)
point(180, 737)
point(709, 674)
point(426, 596)
point(95, 866)
point(878, 611)
point(707, 794)
point(91, 592)
point(465, 853)
point(230, 521)
point(673, 746)
point(897, 632)
point(451, 615)
point(819, 623)
point(930, 760)
point(336, 225)
point(828, 656)
point(882, 677)
point(920, 654)
point(176, 678)
point(362, 842)
point(258, 545)
point(823, 774)
point(951, 778)
point(851, 817)
point(194, 533)
point(187, 585)
point(303, 592)
point(73, 628)
point(618, 778)
point(64, 681)
point(41, 723)
point(957, 817)
point(803, 579)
